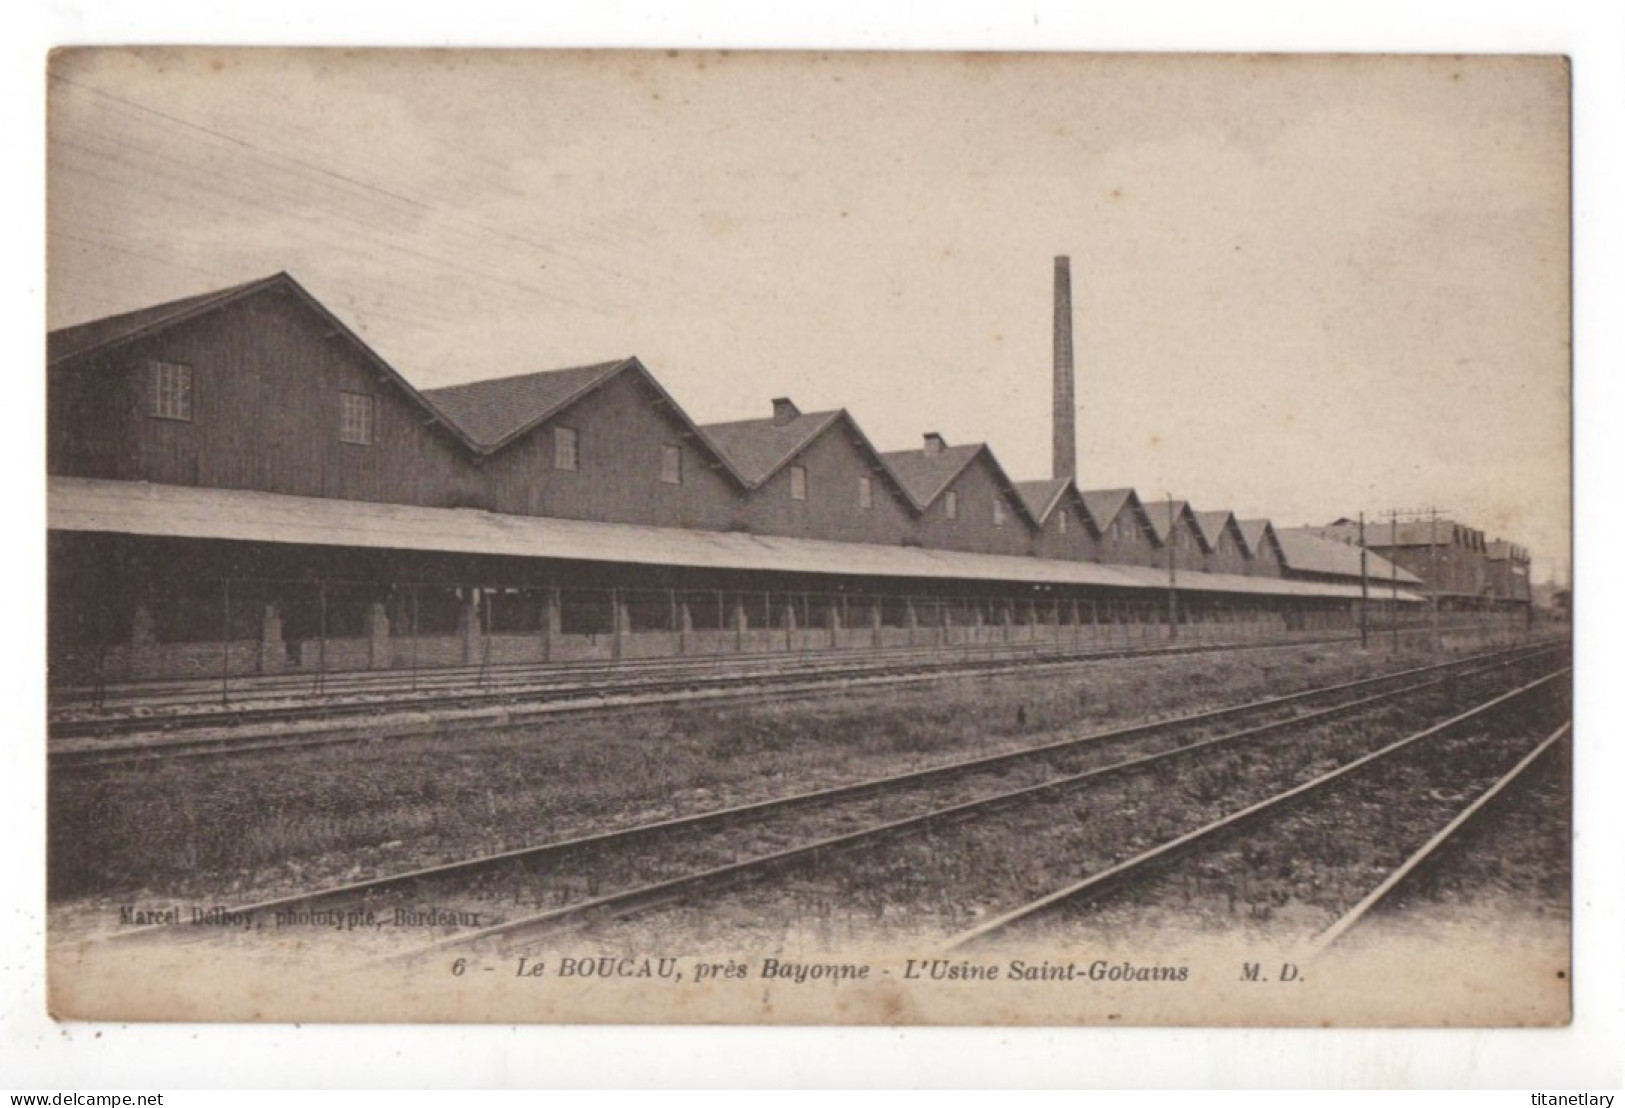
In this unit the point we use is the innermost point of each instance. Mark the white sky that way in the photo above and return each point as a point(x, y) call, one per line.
point(1304, 287)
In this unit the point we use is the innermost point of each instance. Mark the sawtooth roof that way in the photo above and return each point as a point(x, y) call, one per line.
point(1254, 531)
point(1162, 514)
point(925, 476)
point(1042, 496)
point(1106, 504)
point(1212, 524)
point(495, 411)
point(759, 448)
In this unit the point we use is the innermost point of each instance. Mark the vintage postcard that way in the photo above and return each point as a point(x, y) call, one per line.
point(671, 537)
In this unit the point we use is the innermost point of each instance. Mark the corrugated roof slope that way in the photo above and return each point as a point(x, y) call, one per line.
point(759, 447)
point(136, 508)
point(491, 412)
point(1307, 552)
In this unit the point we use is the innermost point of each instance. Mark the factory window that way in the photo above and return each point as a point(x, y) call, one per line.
point(950, 504)
point(798, 482)
point(866, 492)
point(998, 512)
point(566, 448)
point(355, 418)
point(671, 464)
point(1062, 522)
point(171, 390)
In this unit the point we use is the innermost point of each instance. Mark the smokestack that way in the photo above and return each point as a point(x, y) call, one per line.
point(1066, 436)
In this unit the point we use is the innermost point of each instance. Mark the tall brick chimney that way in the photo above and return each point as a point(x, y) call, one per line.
point(1066, 435)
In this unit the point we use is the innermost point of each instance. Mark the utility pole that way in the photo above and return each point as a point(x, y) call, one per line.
point(1393, 576)
point(1433, 577)
point(1365, 589)
point(1173, 609)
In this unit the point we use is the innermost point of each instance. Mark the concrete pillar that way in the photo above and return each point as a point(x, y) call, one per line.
point(141, 627)
point(976, 621)
point(685, 625)
point(273, 655)
point(377, 636)
point(741, 622)
point(551, 622)
point(619, 623)
point(468, 627)
point(874, 622)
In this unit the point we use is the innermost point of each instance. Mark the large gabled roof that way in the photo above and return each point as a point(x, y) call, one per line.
point(83, 338)
point(926, 475)
point(759, 448)
point(100, 336)
point(499, 409)
point(1212, 525)
point(1042, 497)
point(1162, 514)
point(1254, 532)
point(1105, 505)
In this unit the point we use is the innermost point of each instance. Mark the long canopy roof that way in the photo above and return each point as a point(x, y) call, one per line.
point(137, 508)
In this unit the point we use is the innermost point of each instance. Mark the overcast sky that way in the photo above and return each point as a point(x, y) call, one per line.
point(1304, 286)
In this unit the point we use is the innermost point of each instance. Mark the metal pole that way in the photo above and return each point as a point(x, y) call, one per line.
point(1173, 612)
point(1393, 575)
point(1433, 576)
point(1365, 588)
point(225, 641)
point(321, 647)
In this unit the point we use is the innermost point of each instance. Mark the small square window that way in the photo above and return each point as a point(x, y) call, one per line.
point(172, 391)
point(866, 492)
point(950, 504)
point(355, 418)
point(671, 464)
point(798, 482)
point(566, 452)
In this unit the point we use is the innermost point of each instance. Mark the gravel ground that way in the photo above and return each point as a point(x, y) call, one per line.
point(947, 879)
point(247, 828)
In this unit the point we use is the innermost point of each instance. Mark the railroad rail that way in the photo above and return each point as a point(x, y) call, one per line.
point(176, 734)
point(1047, 761)
point(1136, 868)
point(1429, 850)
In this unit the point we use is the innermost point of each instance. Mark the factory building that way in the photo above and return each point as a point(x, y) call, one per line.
point(239, 484)
point(1456, 564)
point(1263, 546)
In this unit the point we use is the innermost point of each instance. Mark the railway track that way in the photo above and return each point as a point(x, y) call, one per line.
point(562, 884)
point(222, 731)
point(1426, 855)
point(1297, 820)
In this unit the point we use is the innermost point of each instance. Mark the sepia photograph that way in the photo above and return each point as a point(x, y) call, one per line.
point(579, 537)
